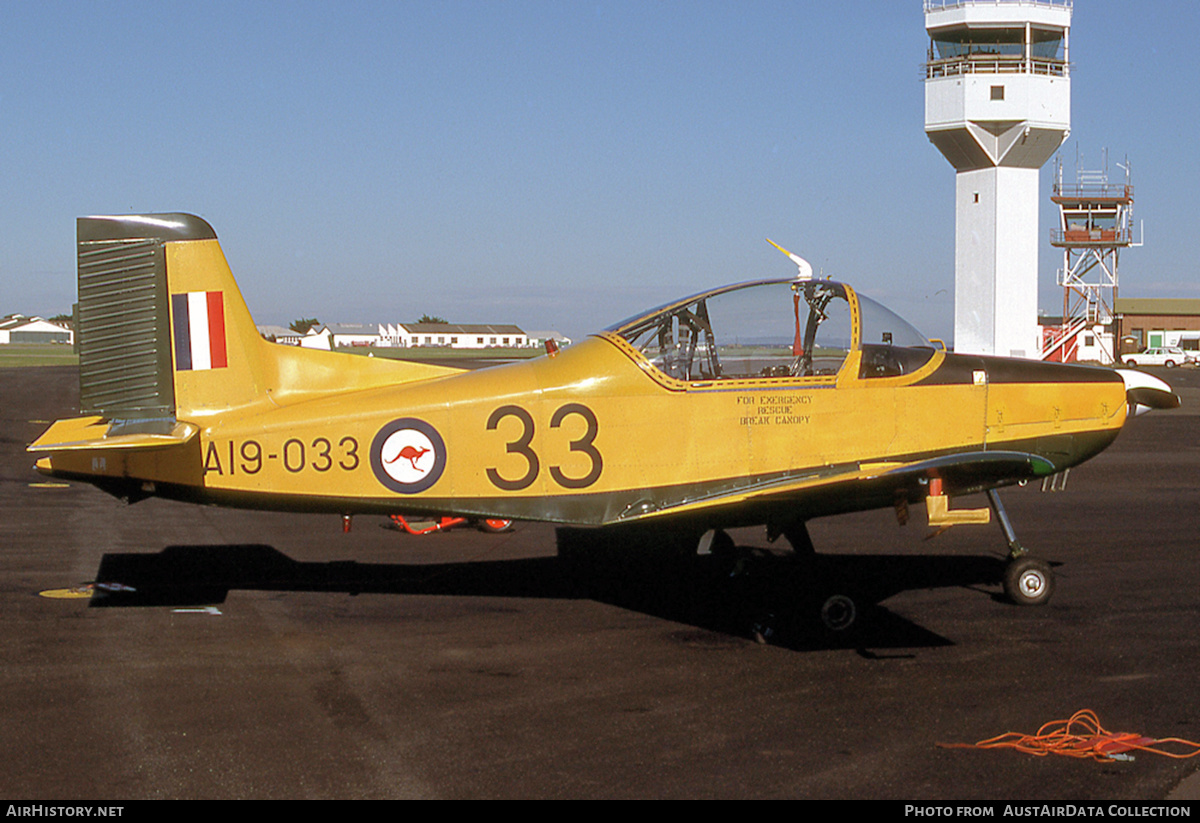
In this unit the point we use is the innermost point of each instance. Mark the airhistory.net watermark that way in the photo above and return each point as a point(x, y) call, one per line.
point(49, 810)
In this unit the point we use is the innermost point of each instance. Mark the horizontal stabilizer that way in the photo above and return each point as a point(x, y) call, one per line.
point(81, 433)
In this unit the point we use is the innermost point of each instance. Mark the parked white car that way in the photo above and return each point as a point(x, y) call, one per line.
point(1168, 356)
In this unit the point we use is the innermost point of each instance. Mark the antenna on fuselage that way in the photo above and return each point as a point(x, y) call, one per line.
point(804, 268)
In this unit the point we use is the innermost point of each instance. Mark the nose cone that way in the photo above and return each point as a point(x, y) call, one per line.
point(1145, 392)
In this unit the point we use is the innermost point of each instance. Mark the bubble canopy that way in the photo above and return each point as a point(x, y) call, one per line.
point(774, 329)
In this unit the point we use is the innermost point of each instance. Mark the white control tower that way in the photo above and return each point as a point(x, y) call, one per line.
point(997, 105)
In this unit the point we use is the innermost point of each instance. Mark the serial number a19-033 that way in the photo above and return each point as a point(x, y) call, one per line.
point(321, 454)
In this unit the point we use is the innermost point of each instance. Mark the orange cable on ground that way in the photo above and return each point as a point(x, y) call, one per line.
point(1082, 737)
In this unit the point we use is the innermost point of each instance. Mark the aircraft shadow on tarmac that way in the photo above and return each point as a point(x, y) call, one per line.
point(776, 598)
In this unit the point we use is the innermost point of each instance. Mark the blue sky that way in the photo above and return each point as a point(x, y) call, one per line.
point(552, 164)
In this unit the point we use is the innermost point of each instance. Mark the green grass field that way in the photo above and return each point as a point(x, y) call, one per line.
point(37, 354)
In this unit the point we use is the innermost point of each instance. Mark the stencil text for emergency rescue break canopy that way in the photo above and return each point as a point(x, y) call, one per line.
point(773, 409)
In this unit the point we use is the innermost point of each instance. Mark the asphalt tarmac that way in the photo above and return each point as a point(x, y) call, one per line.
point(255, 655)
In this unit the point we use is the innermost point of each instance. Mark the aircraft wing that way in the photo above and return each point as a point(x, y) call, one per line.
point(960, 473)
point(976, 471)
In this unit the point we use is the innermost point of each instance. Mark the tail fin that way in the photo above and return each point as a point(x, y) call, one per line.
point(164, 334)
point(163, 330)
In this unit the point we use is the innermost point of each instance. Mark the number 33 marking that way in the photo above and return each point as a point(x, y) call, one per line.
point(533, 465)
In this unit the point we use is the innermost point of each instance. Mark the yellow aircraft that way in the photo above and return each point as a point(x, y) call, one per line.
point(768, 402)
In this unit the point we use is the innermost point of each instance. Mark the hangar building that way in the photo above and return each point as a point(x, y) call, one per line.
point(1144, 322)
point(17, 328)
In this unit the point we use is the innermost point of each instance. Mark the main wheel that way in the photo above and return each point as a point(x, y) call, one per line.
point(495, 525)
point(1029, 581)
point(838, 613)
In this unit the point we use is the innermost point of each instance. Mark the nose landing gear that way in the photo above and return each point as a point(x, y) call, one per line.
point(1028, 581)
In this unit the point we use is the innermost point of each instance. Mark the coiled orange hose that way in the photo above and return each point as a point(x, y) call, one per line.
point(1083, 737)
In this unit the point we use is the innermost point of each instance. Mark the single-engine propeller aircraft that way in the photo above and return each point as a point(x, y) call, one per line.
point(766, 402)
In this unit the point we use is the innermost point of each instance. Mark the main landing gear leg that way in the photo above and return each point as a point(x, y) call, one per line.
point(797, 534)
point(1028, 581)
point(837, 606)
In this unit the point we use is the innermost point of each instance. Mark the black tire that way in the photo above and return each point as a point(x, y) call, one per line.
point(495, 525)
point(1029, 581)
point(1170, 364)
point(838, 614)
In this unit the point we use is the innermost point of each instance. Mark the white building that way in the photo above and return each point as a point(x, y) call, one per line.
point(407, 335)
point(279, 334)
point(539, 338)
point(462, 336)
point(997, 105)
point(17, 328)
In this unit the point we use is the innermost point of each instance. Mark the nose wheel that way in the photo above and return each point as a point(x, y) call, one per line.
point(1028, 581)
